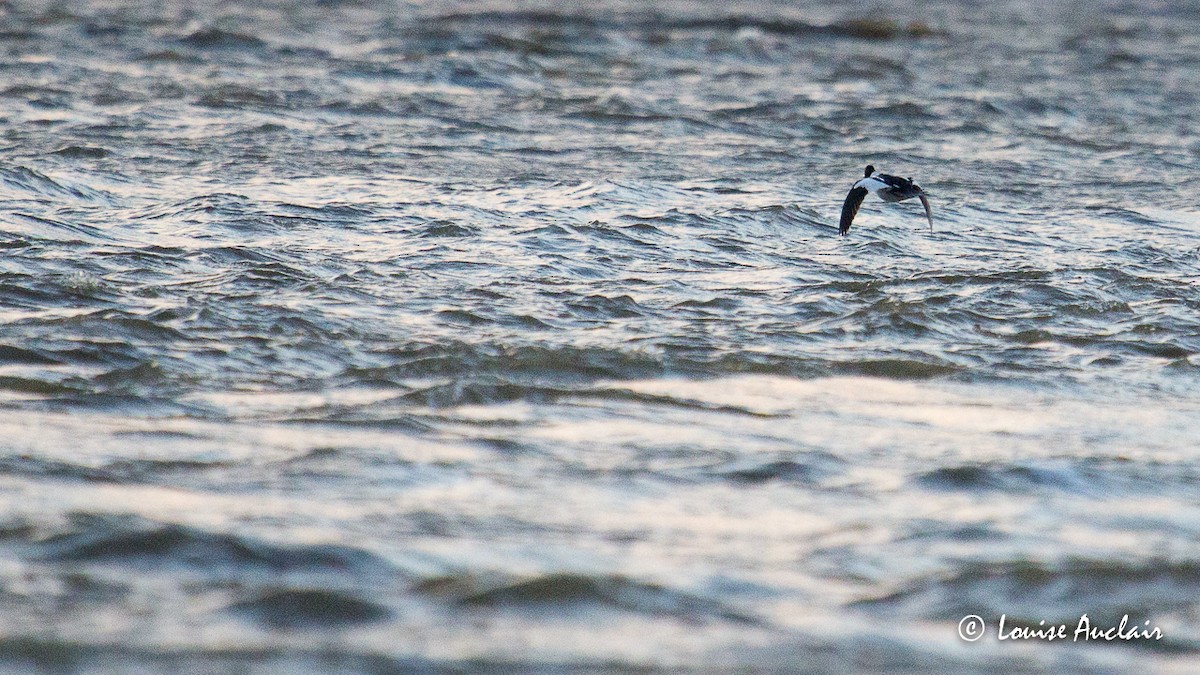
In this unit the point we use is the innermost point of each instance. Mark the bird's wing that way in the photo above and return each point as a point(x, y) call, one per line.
point(853, 200)
point(928, 211)
point(891, 181)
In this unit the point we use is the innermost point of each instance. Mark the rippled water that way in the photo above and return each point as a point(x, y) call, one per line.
point(487, 337)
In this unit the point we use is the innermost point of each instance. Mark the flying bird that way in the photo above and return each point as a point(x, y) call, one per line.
point(889, 189)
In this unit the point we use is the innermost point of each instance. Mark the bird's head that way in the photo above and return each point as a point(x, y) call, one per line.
point(870, 170)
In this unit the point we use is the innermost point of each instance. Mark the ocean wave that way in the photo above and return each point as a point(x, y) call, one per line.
point(129, 540)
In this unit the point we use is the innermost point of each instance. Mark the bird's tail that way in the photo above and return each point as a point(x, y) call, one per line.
point(928, 211)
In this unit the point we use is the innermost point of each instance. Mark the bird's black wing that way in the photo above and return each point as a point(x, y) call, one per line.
point(853, 200)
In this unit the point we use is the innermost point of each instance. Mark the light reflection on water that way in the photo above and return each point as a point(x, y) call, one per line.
point(788, 503)
point(515, 339)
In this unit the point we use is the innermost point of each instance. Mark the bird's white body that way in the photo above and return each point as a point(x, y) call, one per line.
point(873, 184)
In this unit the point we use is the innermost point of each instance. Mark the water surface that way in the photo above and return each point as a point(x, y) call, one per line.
point(504, 337)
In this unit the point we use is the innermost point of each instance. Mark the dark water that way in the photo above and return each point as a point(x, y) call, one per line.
point(485, 337)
